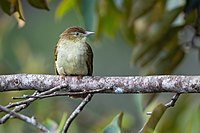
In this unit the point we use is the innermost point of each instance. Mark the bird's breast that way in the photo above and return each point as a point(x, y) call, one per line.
point(71, 59)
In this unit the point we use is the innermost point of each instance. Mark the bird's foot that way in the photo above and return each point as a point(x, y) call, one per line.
point(57, 77)
point(63, 77)
point(79, 77)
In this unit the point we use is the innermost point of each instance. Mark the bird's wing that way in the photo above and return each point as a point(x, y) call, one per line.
point(89, 61)
point(55, 59)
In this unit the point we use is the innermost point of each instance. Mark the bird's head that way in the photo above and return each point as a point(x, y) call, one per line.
point(76, 34)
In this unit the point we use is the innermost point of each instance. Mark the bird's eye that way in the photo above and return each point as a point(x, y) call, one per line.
point(76, 33)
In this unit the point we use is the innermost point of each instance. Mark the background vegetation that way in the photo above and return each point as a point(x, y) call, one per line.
point(133, 37)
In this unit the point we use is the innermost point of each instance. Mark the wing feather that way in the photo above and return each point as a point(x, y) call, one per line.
point(55, 59)
point(89, 61)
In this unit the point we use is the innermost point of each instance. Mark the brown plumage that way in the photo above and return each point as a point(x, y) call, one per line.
point(72, 54)
point(74, 29)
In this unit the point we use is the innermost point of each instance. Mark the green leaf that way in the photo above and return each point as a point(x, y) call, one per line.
point(51, 125)
point(18, 8)
point(154, 52)
point(129, 33)
point(156, 115)
point(62, 122)
point(140, 7)
point(64, 7)
point(109, 18)
point(12, 6)
point(88, 12)
point(40, 4)
point(115, 125)
point(6, 6)
point(156, 36)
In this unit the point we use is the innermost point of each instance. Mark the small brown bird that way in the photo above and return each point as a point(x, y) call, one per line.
point(73, 56)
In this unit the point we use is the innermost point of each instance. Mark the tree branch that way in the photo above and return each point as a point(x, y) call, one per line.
point(53, 85)
point(75, 113)
point(96, 84)
point(24, 118)
point(25, 103)
point(173, 101)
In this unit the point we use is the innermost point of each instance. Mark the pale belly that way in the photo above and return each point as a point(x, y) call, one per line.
point(71, 61)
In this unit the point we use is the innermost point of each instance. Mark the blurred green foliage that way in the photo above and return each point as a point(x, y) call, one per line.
point(151, 28)
point(115, 125)
point(156, 115)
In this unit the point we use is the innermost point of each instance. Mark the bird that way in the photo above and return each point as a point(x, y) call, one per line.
point(73, 56)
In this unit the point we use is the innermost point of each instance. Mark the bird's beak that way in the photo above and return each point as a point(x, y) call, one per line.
point(89, 33)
